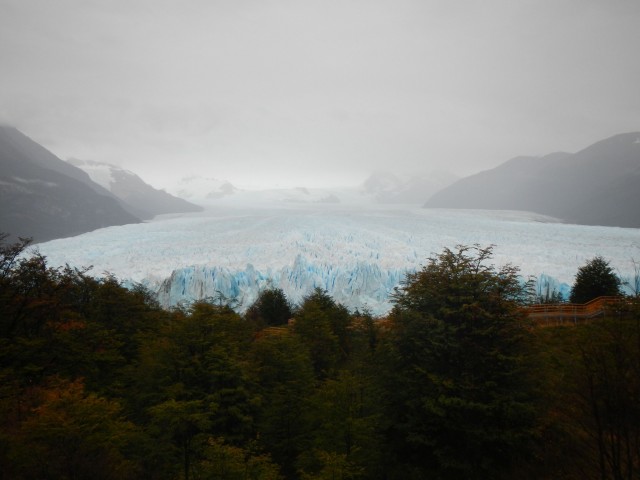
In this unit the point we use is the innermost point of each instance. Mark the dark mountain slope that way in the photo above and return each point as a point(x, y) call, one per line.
point(599, 185)
point(23, 147)
point(43, 197)
point(144, 200)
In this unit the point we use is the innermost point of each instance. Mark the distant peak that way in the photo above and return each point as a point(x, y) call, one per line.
point(93, 163)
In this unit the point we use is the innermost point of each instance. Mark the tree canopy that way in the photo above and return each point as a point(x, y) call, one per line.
point(594, 279)
point(97, 381)
point(458, 390)
point(271, 308)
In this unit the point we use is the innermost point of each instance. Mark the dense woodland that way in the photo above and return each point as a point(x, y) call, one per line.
point(97, 381)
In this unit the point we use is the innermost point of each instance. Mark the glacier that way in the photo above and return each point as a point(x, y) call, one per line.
point(357, 253)
point(363, 286)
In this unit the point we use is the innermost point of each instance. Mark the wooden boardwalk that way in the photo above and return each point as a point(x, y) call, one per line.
point(272, 331)
point(542, 315)
point(548, 314)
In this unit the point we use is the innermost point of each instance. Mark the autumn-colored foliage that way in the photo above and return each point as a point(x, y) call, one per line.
point(97, 381)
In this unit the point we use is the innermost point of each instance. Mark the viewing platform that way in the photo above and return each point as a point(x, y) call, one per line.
point(551, 314)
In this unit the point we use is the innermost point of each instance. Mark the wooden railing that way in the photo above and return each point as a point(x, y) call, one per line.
point(573, 313)
point(272, 331)
point(542, 315)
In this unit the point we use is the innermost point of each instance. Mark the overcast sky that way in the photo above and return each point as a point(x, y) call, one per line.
point(317, 92)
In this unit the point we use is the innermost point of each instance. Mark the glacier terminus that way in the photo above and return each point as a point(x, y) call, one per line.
point(357, 253)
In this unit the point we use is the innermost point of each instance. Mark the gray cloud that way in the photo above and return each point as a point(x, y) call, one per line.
point(317, 91)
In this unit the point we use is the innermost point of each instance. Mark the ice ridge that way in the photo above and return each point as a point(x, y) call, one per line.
point(359, 286)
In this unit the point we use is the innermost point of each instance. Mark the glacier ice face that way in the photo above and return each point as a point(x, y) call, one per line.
point(357, 253)
point(362, 286)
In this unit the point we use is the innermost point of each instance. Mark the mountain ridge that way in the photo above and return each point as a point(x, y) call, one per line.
point(45, 203)
point(43, 197)
point(144, 200)
point(598, 185)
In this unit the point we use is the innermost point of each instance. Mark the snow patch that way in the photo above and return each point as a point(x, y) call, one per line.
point(100, 173)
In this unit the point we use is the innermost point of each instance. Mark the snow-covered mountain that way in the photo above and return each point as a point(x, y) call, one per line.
point(141, 198)
point(358, 254)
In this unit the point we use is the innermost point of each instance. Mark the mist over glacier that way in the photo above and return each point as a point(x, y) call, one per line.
point(357, 253)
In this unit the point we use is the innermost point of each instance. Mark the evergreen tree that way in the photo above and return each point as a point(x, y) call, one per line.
point(193, 382)
point(228, 462)
point(284, 373)
point(608, 389)
point(344, 416)
point(593, 280)
point(323, 326)
point(271, 308)
point(454, 370)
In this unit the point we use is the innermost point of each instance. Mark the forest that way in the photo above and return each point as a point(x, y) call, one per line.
point(97, 381)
